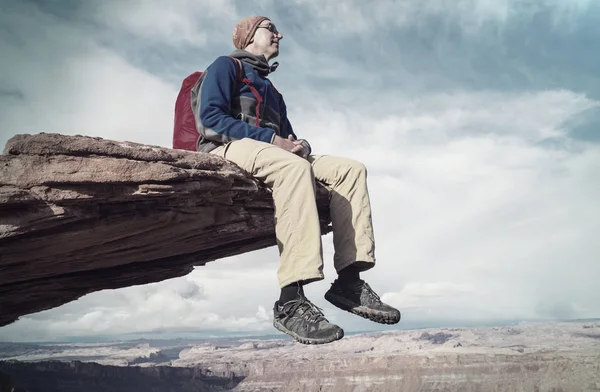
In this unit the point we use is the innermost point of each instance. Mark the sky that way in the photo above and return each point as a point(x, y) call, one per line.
point(478, 121)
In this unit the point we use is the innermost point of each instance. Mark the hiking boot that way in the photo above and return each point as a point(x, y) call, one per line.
point(305, 322)
point(360, 299)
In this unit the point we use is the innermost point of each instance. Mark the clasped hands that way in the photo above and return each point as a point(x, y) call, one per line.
point(298, 147)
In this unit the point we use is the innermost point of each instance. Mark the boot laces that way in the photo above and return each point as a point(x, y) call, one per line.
point(312, 313)
point(365, 286)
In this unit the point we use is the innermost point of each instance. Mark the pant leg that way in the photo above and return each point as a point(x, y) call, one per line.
point(350, 209)
point(297, 226)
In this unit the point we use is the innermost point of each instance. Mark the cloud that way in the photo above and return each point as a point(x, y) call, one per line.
point(413, 293)
point(179, 23)
point(173, 23)
point(355, 16)
point(420, 123)
point(67, 83)
point(175, 305)
point(414, 47)
point(467, 191)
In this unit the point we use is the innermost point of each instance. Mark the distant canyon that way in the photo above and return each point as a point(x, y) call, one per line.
point(552, 357)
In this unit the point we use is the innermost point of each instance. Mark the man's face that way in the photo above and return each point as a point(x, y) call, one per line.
point(266, 39)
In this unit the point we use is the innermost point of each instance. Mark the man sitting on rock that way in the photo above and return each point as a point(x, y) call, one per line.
point(269, 150)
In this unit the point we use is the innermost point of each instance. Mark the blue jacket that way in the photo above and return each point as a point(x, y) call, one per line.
point(227, 107)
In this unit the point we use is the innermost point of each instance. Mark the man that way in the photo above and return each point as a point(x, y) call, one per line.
point(270, 151)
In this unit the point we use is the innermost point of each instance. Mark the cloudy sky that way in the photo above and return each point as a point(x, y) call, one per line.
point(479, 121)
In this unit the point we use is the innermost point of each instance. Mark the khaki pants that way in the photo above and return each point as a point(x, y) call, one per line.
point(297, 227)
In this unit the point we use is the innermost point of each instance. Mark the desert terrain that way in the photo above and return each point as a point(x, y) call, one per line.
point(526, 357)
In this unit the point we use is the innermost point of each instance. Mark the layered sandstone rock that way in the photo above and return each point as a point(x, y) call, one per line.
point(80, 214)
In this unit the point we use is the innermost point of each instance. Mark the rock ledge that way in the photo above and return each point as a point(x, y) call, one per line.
point(81, 214)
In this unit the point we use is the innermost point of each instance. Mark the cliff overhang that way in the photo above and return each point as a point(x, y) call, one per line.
point(80, 214)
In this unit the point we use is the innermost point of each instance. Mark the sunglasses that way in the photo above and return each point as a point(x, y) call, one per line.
point(271, 27)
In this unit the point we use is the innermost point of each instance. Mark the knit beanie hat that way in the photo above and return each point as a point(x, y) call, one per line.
point(244, 30)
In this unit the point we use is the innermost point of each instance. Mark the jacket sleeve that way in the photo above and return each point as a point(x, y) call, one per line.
point(216, 90)
point(287, 125)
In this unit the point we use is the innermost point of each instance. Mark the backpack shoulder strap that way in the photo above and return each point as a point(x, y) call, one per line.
point(241, 76)
point(239, 68)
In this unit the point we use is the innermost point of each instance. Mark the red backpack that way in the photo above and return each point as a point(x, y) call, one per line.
point(187, 129)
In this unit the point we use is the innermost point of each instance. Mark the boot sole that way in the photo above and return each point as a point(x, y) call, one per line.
point(362, 311)
point(304, 340)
